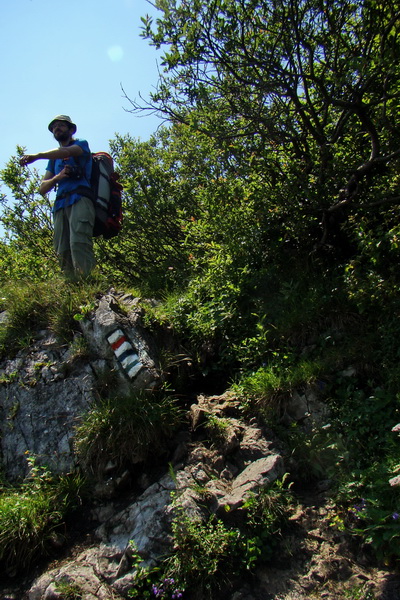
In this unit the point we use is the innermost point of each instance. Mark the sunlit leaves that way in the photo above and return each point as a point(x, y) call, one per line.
point(315, 77)
point(26, 219)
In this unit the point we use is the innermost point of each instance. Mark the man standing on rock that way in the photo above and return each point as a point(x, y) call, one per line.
point(68, 170)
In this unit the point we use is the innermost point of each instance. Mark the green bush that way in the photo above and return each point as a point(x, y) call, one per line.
point(209, 557)
point(32, 514)
point(266, 519)
point(364, 414)
point(151, 582)
point(368, 508)
point(206, 557)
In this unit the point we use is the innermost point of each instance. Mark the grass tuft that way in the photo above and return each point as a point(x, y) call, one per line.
point(32, 513)
point(126, 430)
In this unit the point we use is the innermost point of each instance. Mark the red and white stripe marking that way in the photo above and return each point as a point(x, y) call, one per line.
point(125, 353)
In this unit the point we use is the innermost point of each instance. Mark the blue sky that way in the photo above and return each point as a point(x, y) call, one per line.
point(72, 58)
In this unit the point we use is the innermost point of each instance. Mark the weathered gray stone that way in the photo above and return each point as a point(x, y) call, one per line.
point(297, 407)
point(197, 416)
point(146, 521)
point(80, 573)
point(38, 413)
point(108, 319)
point(257, 475)
point(305, 407)
point(44, 391)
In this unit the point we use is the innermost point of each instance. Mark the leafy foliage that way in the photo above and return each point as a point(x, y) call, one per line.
point(206, 556)
point(209, 556)
point(264, 220)
point(300, 81)
point(31, 515)
point(27, 250)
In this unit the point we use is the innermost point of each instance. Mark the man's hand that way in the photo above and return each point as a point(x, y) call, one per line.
point(50, 181)
point(27, 159)
point(62, 174)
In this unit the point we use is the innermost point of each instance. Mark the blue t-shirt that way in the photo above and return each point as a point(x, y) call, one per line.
point(66, 188)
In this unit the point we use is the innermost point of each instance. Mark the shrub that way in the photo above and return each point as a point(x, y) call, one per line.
point(206, 556)
point(150, 582)
point(209, 557)
point(32, 513)
point(368, 507)
point(126, 429)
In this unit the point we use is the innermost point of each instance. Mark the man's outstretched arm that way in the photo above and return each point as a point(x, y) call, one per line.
point(66, 152)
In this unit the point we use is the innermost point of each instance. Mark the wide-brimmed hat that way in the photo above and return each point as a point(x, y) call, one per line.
point(65, 118)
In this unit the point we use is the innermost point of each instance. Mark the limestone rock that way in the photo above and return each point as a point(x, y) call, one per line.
point(39, 408)
point(79, 573)
point(116, 336)
point(44, 391)
point(197, 489)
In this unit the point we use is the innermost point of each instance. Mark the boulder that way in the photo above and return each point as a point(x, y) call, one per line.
point(114, 333)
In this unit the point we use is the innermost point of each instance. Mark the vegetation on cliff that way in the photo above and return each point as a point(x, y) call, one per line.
point(264, 216)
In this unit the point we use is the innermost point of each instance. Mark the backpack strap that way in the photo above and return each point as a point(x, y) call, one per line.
point(52, 162)
point(82, 190)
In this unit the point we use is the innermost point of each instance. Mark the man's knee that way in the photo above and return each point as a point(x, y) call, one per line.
point(83, 258)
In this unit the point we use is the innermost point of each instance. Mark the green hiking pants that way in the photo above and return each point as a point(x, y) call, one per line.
point(73, 238)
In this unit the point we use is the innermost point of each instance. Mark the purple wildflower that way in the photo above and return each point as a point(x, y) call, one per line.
point(158, 592)
point(360, 507)
point(395, 516)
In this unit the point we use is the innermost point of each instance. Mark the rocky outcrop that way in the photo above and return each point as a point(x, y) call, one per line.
point(216, 479)
point(40, 403)
point(116, 334)
point(45, 390)
point(216, 461)
point(226, 476)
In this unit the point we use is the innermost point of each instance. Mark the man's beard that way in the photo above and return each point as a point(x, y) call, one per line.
point(62, 136)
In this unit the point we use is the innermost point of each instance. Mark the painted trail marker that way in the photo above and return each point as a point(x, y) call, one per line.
point(125, 353)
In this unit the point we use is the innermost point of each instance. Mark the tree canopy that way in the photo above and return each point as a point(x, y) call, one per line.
point(312, 82)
